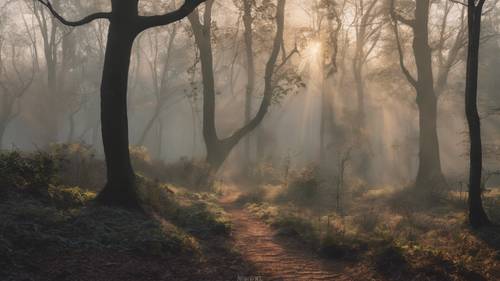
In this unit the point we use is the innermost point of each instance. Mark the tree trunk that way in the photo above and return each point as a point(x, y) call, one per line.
point(150, 124)
point(477, 215)
point(247, 20)
point(120, 188)
point(217, 149)
point(429, 175)
point(360, 94)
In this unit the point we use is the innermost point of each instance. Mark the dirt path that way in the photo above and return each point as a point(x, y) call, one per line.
point(279, 258)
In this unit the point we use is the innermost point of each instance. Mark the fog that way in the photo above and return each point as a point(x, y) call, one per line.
point(61, 104)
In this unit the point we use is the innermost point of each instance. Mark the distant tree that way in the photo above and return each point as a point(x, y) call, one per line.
point(125, 25)
point(368, 26)
point(477, 215)
point(159, 64)
point(16, 77)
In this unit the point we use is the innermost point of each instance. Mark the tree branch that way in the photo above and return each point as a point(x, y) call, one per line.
point(186, 9)
point(398, 17)
point(83, 21)
point(405, 70)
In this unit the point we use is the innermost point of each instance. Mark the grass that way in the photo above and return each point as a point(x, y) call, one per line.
point(399, 239)
point(38, 214)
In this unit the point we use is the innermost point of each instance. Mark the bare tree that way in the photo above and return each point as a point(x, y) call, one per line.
point(125, 25)
point(219, 149)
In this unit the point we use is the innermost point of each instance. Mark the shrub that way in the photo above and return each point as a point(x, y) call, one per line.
point(292, 225)
point(304, 189)
point(80, 166)
point(19, 170)
point(367, 221)
point(256, 195)
point(69, 197)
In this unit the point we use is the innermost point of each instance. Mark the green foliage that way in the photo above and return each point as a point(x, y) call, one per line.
point(195, 212)
point(69, 197)
point(38, 169)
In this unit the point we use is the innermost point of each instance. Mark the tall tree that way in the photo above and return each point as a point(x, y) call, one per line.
point(477, 215)
point(125, 24)
point(248, 34)
point(429, 175)
point(219, 149)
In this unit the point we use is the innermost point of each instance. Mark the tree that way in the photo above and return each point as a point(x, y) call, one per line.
point(159, 66)
point(219, 149)
point(429, 175)
point(248, 34)
point(125, 24)
point(477, 215)
point(14, 83)
point(368, 32)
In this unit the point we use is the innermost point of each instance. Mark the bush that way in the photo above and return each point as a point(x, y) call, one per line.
point(69, 197)
point(256, 195)
point(194, 212)
point(80, 166)
point(265, 173)
point(304, 188)
point(28, 170)
point(367, 221)
point(302, 228)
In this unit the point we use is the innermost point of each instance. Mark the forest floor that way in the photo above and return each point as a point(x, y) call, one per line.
point(280, 258)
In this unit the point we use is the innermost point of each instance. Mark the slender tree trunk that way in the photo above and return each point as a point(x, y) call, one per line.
point(247, 20)
point(477, 215)
point(360, 94)
point(149, 125)
point(120, 188)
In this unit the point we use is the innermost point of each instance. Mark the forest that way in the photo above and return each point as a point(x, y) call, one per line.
point(249, 140)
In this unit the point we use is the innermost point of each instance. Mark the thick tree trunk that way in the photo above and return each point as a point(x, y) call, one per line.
point(120, 188)
point(429, 175)
point(477, 215)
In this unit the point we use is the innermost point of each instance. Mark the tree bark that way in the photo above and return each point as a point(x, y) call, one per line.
point(120, 188)
point(477, 215)
point(430, 175)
